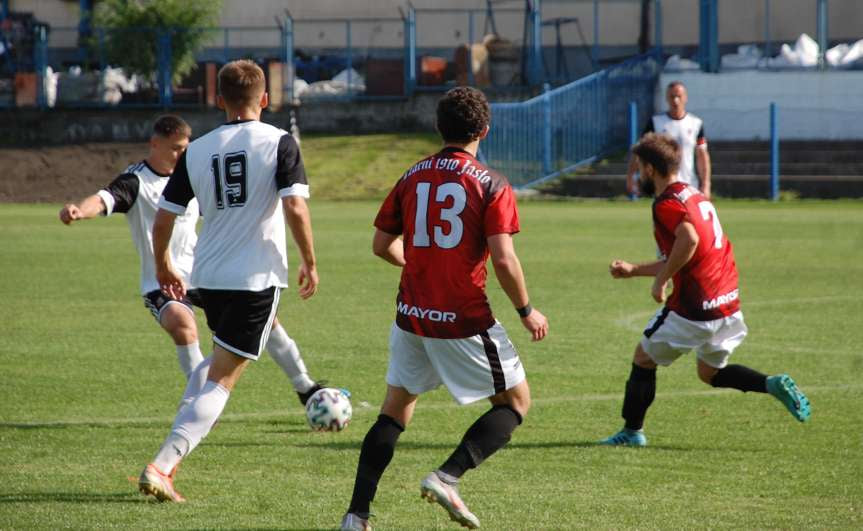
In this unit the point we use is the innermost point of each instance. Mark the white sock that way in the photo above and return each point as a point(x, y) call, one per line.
point(196, 382)
point(285, 353)
point(191, 425)
point(189, 357)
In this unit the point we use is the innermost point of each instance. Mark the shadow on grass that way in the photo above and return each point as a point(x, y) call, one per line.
point(73, 497)
point(413, 445)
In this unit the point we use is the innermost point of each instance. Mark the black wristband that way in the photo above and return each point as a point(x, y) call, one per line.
point(524, 311)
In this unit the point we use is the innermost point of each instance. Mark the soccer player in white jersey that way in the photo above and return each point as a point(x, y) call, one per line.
point(450, 212)
point(688, 131)
point(136, 193)
point(248, 178)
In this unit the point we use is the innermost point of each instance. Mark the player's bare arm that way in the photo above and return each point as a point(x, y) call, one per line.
point(300, 221)
point(685, 243)
point(389, 247)
point(624, 269)
point(702, 165)
point(170, 282)
point(510, 275)
point(87, 208)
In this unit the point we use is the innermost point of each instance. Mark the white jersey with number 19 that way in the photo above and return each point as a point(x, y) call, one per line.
point(238, 172)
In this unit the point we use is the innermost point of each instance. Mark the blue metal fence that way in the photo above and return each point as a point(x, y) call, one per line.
point(562, 129)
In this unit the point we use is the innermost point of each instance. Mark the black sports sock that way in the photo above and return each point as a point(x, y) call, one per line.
point(377, 452)
point(487, 435)
point(640, 392)
point(740, 377)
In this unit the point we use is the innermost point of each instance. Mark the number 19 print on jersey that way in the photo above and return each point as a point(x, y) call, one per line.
point(238, 172)
point(446, 206)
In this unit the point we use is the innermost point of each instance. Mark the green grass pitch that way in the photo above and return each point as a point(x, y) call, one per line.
point(90, 385)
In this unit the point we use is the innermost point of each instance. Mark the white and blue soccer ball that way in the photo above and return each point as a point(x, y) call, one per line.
point(329, 409)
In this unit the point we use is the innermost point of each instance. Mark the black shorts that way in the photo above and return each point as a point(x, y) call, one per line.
point(156, 301)
point(240, 320)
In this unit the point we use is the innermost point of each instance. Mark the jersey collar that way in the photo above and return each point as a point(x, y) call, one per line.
point(235, 122)
point(147, 164)
point(453, 149)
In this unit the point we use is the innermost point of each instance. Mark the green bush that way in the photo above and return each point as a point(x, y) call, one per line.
point(132, 29)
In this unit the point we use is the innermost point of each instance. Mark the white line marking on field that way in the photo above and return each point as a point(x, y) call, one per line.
point(637, 322)
point(370, 408)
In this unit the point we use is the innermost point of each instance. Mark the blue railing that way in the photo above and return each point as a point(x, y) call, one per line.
point(562, 129)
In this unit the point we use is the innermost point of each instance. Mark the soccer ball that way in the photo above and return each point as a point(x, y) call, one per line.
point(329, 409)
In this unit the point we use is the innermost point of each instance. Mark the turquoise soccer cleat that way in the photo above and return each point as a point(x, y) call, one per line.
point(783, 388)
point(626, 437)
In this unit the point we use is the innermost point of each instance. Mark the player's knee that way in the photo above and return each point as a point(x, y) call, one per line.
point(516, 398)
point(182, 328)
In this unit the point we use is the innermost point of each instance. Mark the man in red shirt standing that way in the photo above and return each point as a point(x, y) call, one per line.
point(703, 311)
point(440, 223)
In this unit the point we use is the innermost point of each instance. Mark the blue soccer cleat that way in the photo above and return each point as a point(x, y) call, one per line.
point(626, 437)
point(783, 388)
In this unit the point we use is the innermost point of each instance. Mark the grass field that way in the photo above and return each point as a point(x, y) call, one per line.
point(90, 384)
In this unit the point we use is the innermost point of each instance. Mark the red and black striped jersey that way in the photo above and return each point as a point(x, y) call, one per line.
point(705, 288)
point(445, 206)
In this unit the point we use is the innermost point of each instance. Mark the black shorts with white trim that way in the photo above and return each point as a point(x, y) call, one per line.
point(240, 320)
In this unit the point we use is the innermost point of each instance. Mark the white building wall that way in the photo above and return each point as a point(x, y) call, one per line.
point(811, 105)
point(740, 20)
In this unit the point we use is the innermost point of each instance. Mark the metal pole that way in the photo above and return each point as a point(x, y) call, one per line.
point(633, 123)
point(594, 51)
point(536, 70)
point(657, 18)
point(470, 78)
point(713, 21)
point(40, 62)
point(774, 153)
point(822, 33)
point(350, 55)
point(546, 131)
point(768, 44)
point(289, 56)
point(411, 52)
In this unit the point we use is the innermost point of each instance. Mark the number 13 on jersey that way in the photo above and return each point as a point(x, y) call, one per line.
point(450, 215)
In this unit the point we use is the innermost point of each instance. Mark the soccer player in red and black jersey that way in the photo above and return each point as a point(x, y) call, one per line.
point(703, 311)
point(443, 219)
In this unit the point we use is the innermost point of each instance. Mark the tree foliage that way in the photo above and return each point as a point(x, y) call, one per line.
point(131, 31)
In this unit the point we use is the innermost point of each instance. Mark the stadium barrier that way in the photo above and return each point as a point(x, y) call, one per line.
point(573, 125)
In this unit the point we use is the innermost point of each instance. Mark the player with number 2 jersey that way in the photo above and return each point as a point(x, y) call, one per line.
point(703, 313)
point(705, 288)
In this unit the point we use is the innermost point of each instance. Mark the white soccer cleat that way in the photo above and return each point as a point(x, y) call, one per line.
point(352, 522)
point(154, 483)
point(436, 491)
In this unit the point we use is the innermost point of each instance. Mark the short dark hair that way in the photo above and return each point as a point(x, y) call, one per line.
point(660, 151)
point(675, 83)
point(241, 83)
point(169, 125)
point(462, 114)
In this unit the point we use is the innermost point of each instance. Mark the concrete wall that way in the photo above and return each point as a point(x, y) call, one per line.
point(741, 21)
point(31, 127)
point(811, 105)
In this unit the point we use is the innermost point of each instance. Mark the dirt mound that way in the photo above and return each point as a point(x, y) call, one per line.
point(62, 174)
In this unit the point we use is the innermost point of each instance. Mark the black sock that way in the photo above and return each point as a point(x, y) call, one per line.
point(740, 377)
point(487, 435)
point(640, 391)
point(377, 452)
